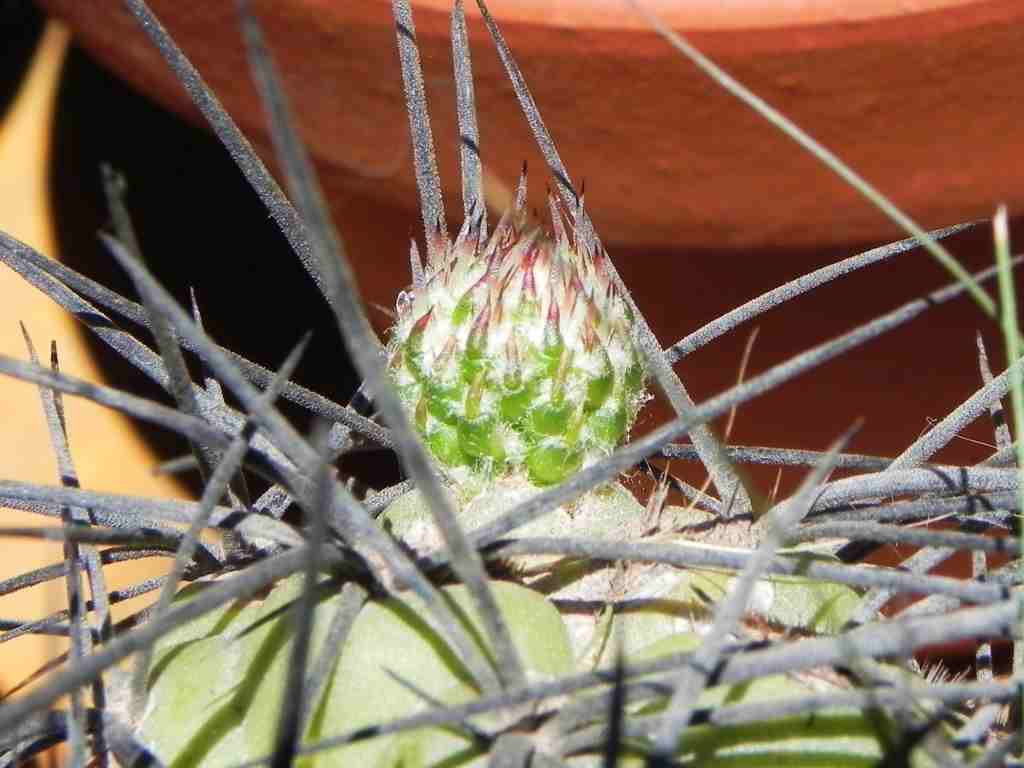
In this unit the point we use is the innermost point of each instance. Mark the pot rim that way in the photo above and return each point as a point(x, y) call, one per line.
point(707, 15)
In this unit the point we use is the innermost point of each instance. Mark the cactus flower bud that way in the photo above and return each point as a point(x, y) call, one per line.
point(546, 377)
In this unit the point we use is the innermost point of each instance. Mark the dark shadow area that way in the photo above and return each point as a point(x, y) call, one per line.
point(21, 24)
point(199, 224)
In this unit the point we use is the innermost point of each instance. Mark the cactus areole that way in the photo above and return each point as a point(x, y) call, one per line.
point(514, 353)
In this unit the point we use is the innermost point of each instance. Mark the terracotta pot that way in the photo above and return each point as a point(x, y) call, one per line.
point(705, 206)
point(914, 95)
point(915, 101)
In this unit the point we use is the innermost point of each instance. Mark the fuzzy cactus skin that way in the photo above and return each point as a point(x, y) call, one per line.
point(215, 689)
point(515, 353)
point(215, 683)
point(647, 602)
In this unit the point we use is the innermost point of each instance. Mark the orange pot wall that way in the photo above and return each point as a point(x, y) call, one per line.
point(706, 206)
point(698, 14)
point(920, 103)
point(714, 207)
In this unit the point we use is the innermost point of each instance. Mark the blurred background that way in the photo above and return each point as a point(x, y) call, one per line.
point(62, 114)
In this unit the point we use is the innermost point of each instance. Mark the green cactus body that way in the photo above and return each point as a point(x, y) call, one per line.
point(515, 354)
point(650, 602)
point(215, 684)
point(516, 362)
point(215, 687)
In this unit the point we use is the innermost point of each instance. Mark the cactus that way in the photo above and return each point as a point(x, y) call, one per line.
point(516, 356)
point(511, 603)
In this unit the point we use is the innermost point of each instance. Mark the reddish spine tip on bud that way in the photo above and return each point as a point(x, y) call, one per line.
point(556, 219)
point(552, 328)
point(473, 243)
point(494, 261)
point(529, 282)
point(589, 337)
point(420, 326)
point(521, 190)
point(509, 236)
point(474, 395)
point(530, 257)
point(437, 242)
point(478, 333)
point(573, 291)
point(513, 378)
point(506, 281)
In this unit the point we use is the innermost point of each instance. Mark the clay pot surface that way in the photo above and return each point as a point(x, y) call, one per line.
point(916, 95)
point(700, 216)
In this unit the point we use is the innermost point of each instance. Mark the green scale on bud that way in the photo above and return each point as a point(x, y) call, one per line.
point(515, 355)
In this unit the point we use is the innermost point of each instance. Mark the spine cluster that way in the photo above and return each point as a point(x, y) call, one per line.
point(515, 353)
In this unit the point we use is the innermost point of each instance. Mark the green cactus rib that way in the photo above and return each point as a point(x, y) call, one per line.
point(516, 354)
point(215, 684)
point(215, 688)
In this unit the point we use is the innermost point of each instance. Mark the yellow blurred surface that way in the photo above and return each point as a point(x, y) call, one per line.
point(108, 455)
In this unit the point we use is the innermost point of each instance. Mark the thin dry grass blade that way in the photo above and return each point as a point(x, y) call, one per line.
point(75, 560)
point(635, 452)
point(290, 722)
point(213, 491)
point(794, 288)
point(826, 157)
point(895, 638)
point(238, 587)
point(354, 524)
point(690, 682)
point(1002, 429)
point(428, 182)
point(940, 435)
point(58, 281)
point(469, 134)
point(356, 331)
point(248, 162)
